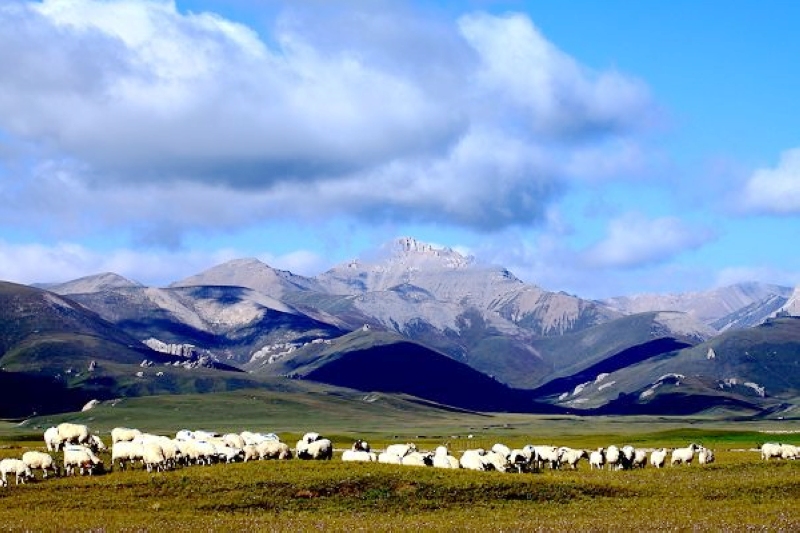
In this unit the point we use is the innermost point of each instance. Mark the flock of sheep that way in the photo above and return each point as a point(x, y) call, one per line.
point(159, 453)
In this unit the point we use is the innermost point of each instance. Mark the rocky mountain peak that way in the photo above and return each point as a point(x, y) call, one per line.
point(95, 283)
point(410, 250)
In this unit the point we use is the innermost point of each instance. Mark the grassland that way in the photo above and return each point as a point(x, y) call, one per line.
point(739, 492)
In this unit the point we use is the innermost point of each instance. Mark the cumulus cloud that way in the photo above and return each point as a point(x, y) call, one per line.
point(634, 240)
point(142, 115)
point(774, 191)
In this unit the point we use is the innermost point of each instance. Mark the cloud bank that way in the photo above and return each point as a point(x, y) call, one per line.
point(145, 117)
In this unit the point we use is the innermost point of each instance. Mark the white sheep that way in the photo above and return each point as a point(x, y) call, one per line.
point(613, 457)
point(389, 458)
point(21, 471)
point(401, 450)
point(318, 449)
point(184, 435)
point(310, 437)
point(417, 459)
point(502, 449)
point(547, 455)
point(520, 460)
point(40, 461)
point(273, 449)
point(82, 458)
point(228, 454)
point(597, 459)
point(96, 444)
point(53, 440)
point(234, 440)
point(73, 433)
point(683, 455)
point(790, 451)
point(473, 459)
point(359, 456)
point(639, 458)
point(658, 458)
point(251, 452)
point(770, 450)
point(124, 451)
point(121, 434)
point(153, 456)
point(496, 461)
point(572, 456)
point(443, 459)
point(705, 456)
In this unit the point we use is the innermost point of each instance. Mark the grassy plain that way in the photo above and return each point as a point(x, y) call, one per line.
point(737, 493)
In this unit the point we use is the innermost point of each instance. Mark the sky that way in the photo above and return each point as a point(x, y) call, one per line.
point(596, 148)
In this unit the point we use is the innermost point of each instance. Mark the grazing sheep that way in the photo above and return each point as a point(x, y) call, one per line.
point(310, 437)
point(548, 455)
point(683, 455)
point(401, 450)
point(658, 457)
point(318, 449)
point(613, 456)
point(21, 471)
point(572, 457)
point(443, 459)
point(359, 456)
point(639, 459)
point(473, 459)
point(626, 455)
point(417, 459)
point(153, 456)
point(40, 461)
point(124, 435)
point(705, 456)
point(53, 440)
point(205, 435)
point(251, 452)
point(96, 444)
point(770, 450)
point(124, 451)
point(502, 449)
point(360, 445)
point(228, 454)
point(73, 433)
point(82, 458)
point(234, 440)
point(273, 449)
point(790, 451)
point(597, 459)
point(496, 461)
point(389, 458)
point(520, 460)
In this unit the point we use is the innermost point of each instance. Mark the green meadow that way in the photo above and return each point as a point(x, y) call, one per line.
point(739, 492)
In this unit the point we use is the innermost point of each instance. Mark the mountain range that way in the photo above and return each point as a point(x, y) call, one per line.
point(414, 319)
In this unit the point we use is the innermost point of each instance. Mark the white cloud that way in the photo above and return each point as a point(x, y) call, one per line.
point(142, 117)
point(776, 190)
point(35, 263)
point(634, 240)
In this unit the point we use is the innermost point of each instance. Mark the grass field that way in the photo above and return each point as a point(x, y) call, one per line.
point(738, 492)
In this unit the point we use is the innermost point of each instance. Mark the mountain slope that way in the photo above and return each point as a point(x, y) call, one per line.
point(709, 307)
point(252, 274)
point(759, 366)
point(56, 355)
point(232, 323)
point(385, 362)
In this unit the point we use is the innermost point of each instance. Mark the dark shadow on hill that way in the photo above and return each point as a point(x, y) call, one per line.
point(630, 356)
point(23, 395)
point(410, 368)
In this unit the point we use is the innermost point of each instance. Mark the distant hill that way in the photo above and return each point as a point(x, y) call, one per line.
point(758, 367)
point(731, 307)
point(386, 362)
point(56, 355)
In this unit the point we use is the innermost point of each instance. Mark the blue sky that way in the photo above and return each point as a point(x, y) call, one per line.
point(599, 148)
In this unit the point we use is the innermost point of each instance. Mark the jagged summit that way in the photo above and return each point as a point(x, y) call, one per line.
point(95, 283)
